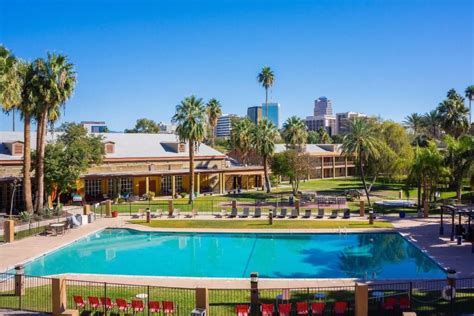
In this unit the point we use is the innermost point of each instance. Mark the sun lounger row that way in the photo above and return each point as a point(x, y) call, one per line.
point(301, 308)
point(283, 213)
point(121, 305)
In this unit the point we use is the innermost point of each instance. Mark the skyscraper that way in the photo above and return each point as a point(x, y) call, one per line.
point(322, 106)
point(256, 113)
point(224, 125)
point(343, 119)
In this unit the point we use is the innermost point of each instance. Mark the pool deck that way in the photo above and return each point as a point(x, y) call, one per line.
point(423, 232)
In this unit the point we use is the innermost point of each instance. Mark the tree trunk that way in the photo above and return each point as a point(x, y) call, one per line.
point(266, 102)
point(27, 163)
point(191, 171)
point(13, 116)
point(40, 148)
point(265, 170)
point(212, 136)
point(362, 175)
point(419, 195)
point(459, 188)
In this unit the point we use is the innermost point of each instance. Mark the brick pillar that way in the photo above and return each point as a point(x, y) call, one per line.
point(108, 208)
point(234, 203)
point(400, 194)
point(170, 207)
point(202, 299)
point(362, 208)
point(58, 296)
point(361, 299)
point(297, 206)
point(86, 209)
point(9, 230)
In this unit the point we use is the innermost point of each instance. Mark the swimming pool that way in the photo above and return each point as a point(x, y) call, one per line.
point(129, 252)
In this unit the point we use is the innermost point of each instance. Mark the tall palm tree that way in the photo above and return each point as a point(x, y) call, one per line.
point(361, 142)
point(431, 123)
point(213, 111)
point(295, 132)
point(263, 139)
point(241, 135)
point(453, 115)
point(55, 79)
point(191, 128)
point(460, 157)
point(414, 122)
point(266, 78)
point(470, 96)
point(7, 61)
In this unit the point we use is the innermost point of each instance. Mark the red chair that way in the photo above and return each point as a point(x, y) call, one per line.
point(389, 304)
point(79, 301)
point(154, 306)
point(266, 309)
point(168, 307)
point(122, 304)
point(242, 310)
point(137, 306)
point(107, 303)
point(302, 308)
point(340, 308)
point(404, 303)
point(94, 302)
point(317, 308)
point(284, 309)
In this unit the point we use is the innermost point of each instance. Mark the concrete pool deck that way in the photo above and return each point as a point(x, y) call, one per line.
point(422, 232)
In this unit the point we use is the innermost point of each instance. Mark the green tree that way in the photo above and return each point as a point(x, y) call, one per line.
point(313, 138)
point(213, 112)
point(263, 139)
point(459, 157)
point(7, 62)
point(266, 78)
point(54, 81)
point(324, 137)
point(414, 122)
point(453, 115)
point(431, 123)
point(240, 137)
point(294, 132)
point(293, 165)
point(145, 126)
point(190, 128)
point(361, 142)
point(470, 96)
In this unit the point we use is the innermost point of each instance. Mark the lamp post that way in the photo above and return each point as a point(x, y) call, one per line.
point(451, 276)
point(19, 280)
point(254, 290)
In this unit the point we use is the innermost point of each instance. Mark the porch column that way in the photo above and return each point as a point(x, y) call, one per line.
point(333, 167)
point(322, 167)
point(198, 183)
point(147, 184)
point(345, 166)
point(220, 183)
point(173, 185)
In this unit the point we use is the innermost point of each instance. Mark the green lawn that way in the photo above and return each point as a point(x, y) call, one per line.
point(262, 224)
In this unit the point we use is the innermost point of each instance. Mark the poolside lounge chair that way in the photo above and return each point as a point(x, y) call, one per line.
point(107, 303)
point(389, 304)
point(222, 214)
point(258, 212)
point(242, 310)
point(168, 307)
point(307, 213)
point(139, 214)
point(245, 213)
point(404, 303)
point(294, 213)
point(233, 213)
point(154, 307)
point(317, 308)
point(284, 309)
point(320, 213)
point(122, 305)
point(340, 308)
point(302, 308)
point(347, 213)
point(79, 302)
point(193, 214)
point(266, 309)
point(158, 213)
point(282, 213)
point(137, 306)
point(94, 302)
point(333, 213)
point(175, 213)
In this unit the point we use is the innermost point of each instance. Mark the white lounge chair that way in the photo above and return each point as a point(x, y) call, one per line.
point(245, 213)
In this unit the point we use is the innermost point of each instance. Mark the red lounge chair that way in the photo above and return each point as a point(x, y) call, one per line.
point(79, 301)
point(389, 304)
point(284, 309)
point(302, 308)
point(404, 302)
point(122, 304)
point(317, 308)
point(168, 307)
point(267, 309)
point(94, 302)
point(242, 310)
point(105, 301)
point(340, 308)
point(137, 306)
point(154, 306)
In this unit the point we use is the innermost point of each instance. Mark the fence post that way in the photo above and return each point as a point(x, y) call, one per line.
point(202, 299)
point(108, 208)
point(361, 299)
point(58, 296)
point(130, 208)
point(9, 230)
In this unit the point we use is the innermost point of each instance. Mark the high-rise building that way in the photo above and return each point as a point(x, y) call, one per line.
point(343, 119)
point(273, 112)
point(328, 122)
point(224, 125)
point(322, 106)
point(254, 113)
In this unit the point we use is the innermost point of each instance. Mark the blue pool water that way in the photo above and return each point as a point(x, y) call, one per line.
point(129, 252)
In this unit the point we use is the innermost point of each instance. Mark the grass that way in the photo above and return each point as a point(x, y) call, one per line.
point(26, 233)
point(262, 224)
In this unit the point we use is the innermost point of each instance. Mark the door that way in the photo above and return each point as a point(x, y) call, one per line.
point(152, 186)
point(141, 188)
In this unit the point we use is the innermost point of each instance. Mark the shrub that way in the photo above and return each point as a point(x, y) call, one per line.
point(183, 194)
point(150, 195)
point(25, 216)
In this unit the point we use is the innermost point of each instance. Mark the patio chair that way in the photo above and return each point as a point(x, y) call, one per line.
point(267, 309)
point(154, 307)
point(245, 213)
point(404, 303)
point(233, 213)
point(168, 307)
point(346, 214)
point(79, 302)
point(320, 213)
point(340, 308)
point(389, 304)
point(242, 310)
point(222, 214)
point(137, 306)
point(94, 302)
point(158, 214)
point(284, 309)
point(139, 214)
point(193, 214)
point(107, 303)
point(333, 213)
point(307, 213)
point(282, 213)
point(175, 213)
point(294, 213)
point(258, 212)
point(317, 308)
point(122, 305)
point(302, 308)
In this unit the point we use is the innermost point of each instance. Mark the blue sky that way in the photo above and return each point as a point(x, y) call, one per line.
point(140, 58)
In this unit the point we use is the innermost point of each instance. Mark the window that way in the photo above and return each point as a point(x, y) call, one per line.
point(178, 183)
point(93, 187)
point(119, 185)
point(126, 185)
point(166, 184)
point(18, 149)
point(109, 148)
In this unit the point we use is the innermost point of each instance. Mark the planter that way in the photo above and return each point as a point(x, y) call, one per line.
point(114, 214)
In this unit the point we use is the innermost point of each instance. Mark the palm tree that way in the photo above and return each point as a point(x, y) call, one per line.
point(266, 78)
point(470, 96)
point(7, 61)
point(361, 142)
point(453, 115)
point(191, 121)
point(324, 137)
point(213, 111)
point(414, 122)
point(240, 137)
point(295, 132)
point(431, 123)
point(55, 79)
point(263, 139)
point(460, 157)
